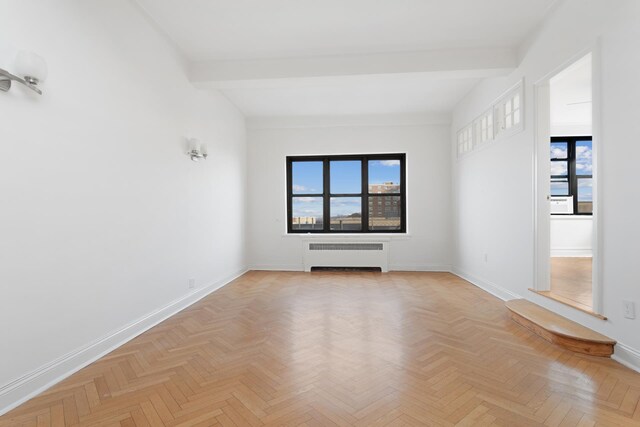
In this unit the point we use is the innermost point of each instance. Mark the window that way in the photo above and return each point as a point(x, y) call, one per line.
point(465, 140)
point(346, 194)
point(484, 127)
point(508, 112)
point(571, 171)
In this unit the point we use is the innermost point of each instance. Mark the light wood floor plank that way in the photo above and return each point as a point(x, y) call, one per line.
point(341, 349)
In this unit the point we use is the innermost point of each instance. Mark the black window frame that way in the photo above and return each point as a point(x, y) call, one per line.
point(364, 194)
point(572, 174)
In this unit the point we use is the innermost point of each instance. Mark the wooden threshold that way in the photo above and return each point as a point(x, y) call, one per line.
point(559, 330)
point(566, 301)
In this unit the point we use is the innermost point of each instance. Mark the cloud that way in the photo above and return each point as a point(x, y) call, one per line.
point(390, 162)
point(558, 153)
point(306, 200)
point(558, 168)
point(584, 152)
point(584, 156)
point(299, 187)
point(584, 168)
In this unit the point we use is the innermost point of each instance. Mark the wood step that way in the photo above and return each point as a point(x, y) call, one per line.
point(559, 330)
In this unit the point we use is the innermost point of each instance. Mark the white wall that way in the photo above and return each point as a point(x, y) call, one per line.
point(505, 169)
point(571, 97)
point(571, 235)
point(104, 219)
point(427, 247)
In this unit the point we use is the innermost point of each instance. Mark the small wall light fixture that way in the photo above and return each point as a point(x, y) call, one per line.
point(196, 150)
point(31, 67)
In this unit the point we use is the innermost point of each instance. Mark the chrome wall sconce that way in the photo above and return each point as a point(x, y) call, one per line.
point(196, 150)
point(31, 67)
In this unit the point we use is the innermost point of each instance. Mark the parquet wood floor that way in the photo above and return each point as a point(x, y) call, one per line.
point(345, 349)
point(571, 280)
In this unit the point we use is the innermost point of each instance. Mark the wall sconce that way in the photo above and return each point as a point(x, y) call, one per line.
point(31, 67)
point(196, 150)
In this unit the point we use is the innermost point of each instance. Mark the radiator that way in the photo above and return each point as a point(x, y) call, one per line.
point(346, 254)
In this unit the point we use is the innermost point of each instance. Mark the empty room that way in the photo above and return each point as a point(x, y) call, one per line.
point(319, 213)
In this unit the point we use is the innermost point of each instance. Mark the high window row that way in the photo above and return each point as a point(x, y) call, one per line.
point(504, 117)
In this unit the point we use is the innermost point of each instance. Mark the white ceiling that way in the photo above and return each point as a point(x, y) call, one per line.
point(225, 31)
point(381, 94)
point(571, 98)
point(243, 29)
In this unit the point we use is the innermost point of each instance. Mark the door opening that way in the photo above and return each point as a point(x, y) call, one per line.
point(565, 187)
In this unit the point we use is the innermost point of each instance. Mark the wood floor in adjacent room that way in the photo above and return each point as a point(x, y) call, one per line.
point(364, 349)
point(571, 281)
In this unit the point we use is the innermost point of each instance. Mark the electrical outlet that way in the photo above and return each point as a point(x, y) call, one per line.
point(192, 283)
point(629, 309)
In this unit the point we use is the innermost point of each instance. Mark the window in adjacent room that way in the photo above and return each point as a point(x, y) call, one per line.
point(571, 171)
point(346, 194)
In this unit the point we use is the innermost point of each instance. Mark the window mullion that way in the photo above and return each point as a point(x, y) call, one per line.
point(573, 180)
point(403, 190)
point(289, 196)
point(326, 218)
point(364, 170)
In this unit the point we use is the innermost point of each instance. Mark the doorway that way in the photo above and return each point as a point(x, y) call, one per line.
point(565, 186)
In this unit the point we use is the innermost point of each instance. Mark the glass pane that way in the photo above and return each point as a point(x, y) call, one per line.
point(585, 195)
point(516, 117)
point(560, 187)
point(346, 177)
point(584, 154)
point(346, 213)
point(559, 168)
point(307, 177)
point(384, 175)
point(384, 212)
point(559, 150)
point(307, 213)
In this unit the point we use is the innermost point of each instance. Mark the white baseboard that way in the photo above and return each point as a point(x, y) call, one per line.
point(412, 267)
point(277, 267)
point(492, 288)
point(627, 356)
point(35, 382)
point(571, 252)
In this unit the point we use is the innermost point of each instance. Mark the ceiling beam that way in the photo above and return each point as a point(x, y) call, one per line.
point(463, 63)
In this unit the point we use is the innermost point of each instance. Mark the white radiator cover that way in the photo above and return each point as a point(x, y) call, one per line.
point(340, 253)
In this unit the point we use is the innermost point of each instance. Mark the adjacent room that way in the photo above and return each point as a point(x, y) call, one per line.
point(303, 213)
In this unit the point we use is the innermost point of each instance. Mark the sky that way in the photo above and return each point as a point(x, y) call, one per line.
point(345, 178)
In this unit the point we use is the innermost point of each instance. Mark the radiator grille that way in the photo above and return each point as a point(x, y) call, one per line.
point(345, 247)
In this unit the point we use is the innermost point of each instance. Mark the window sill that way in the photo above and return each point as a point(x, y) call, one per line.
point(352, 236)
point(571, 217)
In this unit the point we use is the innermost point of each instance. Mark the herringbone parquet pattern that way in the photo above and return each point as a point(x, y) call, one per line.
point(361, 349)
